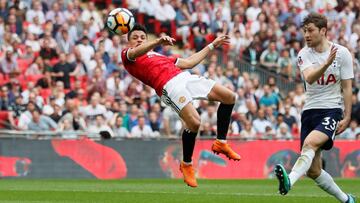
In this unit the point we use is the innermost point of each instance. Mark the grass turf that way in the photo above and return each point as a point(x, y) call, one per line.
point(164, 190)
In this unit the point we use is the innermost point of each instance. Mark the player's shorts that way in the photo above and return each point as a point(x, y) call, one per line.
point(323, 120)
point(183, 88)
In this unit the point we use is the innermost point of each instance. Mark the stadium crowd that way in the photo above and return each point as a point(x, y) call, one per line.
point(61, 70)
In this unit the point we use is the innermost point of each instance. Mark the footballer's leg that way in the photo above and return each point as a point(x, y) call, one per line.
point(227, 100)
point(192, 121)
point(325, 181)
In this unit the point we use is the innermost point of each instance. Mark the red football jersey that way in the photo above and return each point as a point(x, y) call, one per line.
point(152, 69)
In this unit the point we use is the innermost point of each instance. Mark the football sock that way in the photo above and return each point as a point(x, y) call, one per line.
point(188, 141)
point(326, 182)
point(302, 165)
point(223, 120)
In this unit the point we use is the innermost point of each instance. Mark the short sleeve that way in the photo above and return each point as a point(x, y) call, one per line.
point(124, 57)
point(346, 68)
point(303, 61)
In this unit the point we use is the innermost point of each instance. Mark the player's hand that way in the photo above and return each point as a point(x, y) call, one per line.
point(332, 56)
point(222, 39)
point(342, 126)
point(166, 40)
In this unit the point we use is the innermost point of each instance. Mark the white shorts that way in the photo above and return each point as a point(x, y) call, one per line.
point(183, 88)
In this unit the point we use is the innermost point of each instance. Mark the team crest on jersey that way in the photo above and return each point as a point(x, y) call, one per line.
point(182, 99)
point(300, 61)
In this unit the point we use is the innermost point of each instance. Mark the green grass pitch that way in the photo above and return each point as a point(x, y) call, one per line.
point(165, 190)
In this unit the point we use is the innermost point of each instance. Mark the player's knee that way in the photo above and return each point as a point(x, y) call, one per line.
point(193, 124)
point(230, 98)
point(310, 145)
point(313, 173)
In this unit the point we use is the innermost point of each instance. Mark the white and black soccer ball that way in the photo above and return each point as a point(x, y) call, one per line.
point(120, 21)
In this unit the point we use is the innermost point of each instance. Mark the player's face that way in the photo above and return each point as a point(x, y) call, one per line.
point(137, 38)
point(313, 35)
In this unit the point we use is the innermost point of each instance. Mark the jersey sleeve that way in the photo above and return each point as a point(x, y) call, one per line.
point(346, 68)
point(303, 61)
point(124, 56)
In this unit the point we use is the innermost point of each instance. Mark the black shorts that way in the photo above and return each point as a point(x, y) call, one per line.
point(323, 120)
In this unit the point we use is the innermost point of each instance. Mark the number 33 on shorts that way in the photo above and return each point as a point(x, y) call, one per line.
point(329, 123)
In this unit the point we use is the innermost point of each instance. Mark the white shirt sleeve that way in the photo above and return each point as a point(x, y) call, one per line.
point(346, 69)
point(303, 61)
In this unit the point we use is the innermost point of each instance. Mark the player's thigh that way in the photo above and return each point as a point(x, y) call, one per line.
point(316, 166)
point(315, 140)
point(222, 94)
point(191, 117)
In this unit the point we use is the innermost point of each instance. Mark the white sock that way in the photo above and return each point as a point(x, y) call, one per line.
point(222, 141)
point(326, 183)
point(302, 165)
point(187, 163)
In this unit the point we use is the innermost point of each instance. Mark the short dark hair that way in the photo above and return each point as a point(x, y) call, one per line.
point(138, 27)
point(319, 20)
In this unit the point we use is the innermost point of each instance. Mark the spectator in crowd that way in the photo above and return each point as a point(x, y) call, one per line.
point(46, 52)
point(41, 122)
point(269, 58)
point(171, 122)
point(8, 63)
point(75, 119)
point(118, 128)
point(351, 132)
point(141, 130)
point(100, 127)
point(248, 133)
point(63, 70)
point(260, 123)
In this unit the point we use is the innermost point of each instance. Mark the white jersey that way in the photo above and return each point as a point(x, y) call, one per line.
point(326, 92)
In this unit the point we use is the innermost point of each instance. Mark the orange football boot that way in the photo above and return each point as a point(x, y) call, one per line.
point(224, 148)
point(189, 174)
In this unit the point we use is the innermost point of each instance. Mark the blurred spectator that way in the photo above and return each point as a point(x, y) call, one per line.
point(118, 128)
point(63, 70)
point(93, 109)
point(209, 116)
point(46, 52)
point(141, 130)
point(351, 132)
point(165, 13)
point(85, 50)
point(248, 133)
point(98, 83)
point(76, 121)
point(200, 30)
point(183, 21)
point(269, 57)
point(260, 123)
point(55, 12)
point(99, 127)
point(90, 12)
point(283, 132)
point(171, 122)
point(8, 63)
point(5, 101)
point(17, 107)
point(36, 10)
point(269, 98)
point(41, 122)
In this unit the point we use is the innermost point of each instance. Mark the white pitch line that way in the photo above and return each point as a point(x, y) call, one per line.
point(186, 193)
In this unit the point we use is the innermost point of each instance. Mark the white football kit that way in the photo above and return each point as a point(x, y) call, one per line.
point(326, 92)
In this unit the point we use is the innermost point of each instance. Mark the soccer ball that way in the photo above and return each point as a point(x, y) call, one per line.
point(120, 21)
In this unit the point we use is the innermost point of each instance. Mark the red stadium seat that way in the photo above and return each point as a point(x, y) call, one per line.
point(3, 118)
point(45, 93)
point(34, 78)
point(23, 64)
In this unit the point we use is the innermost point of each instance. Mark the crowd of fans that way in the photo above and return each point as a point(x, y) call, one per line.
point(61, 70)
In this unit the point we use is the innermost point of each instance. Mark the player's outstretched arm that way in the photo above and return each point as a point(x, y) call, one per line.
point(196, 58)
point(347, 93)
point(142, 49)
point(313, 74)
